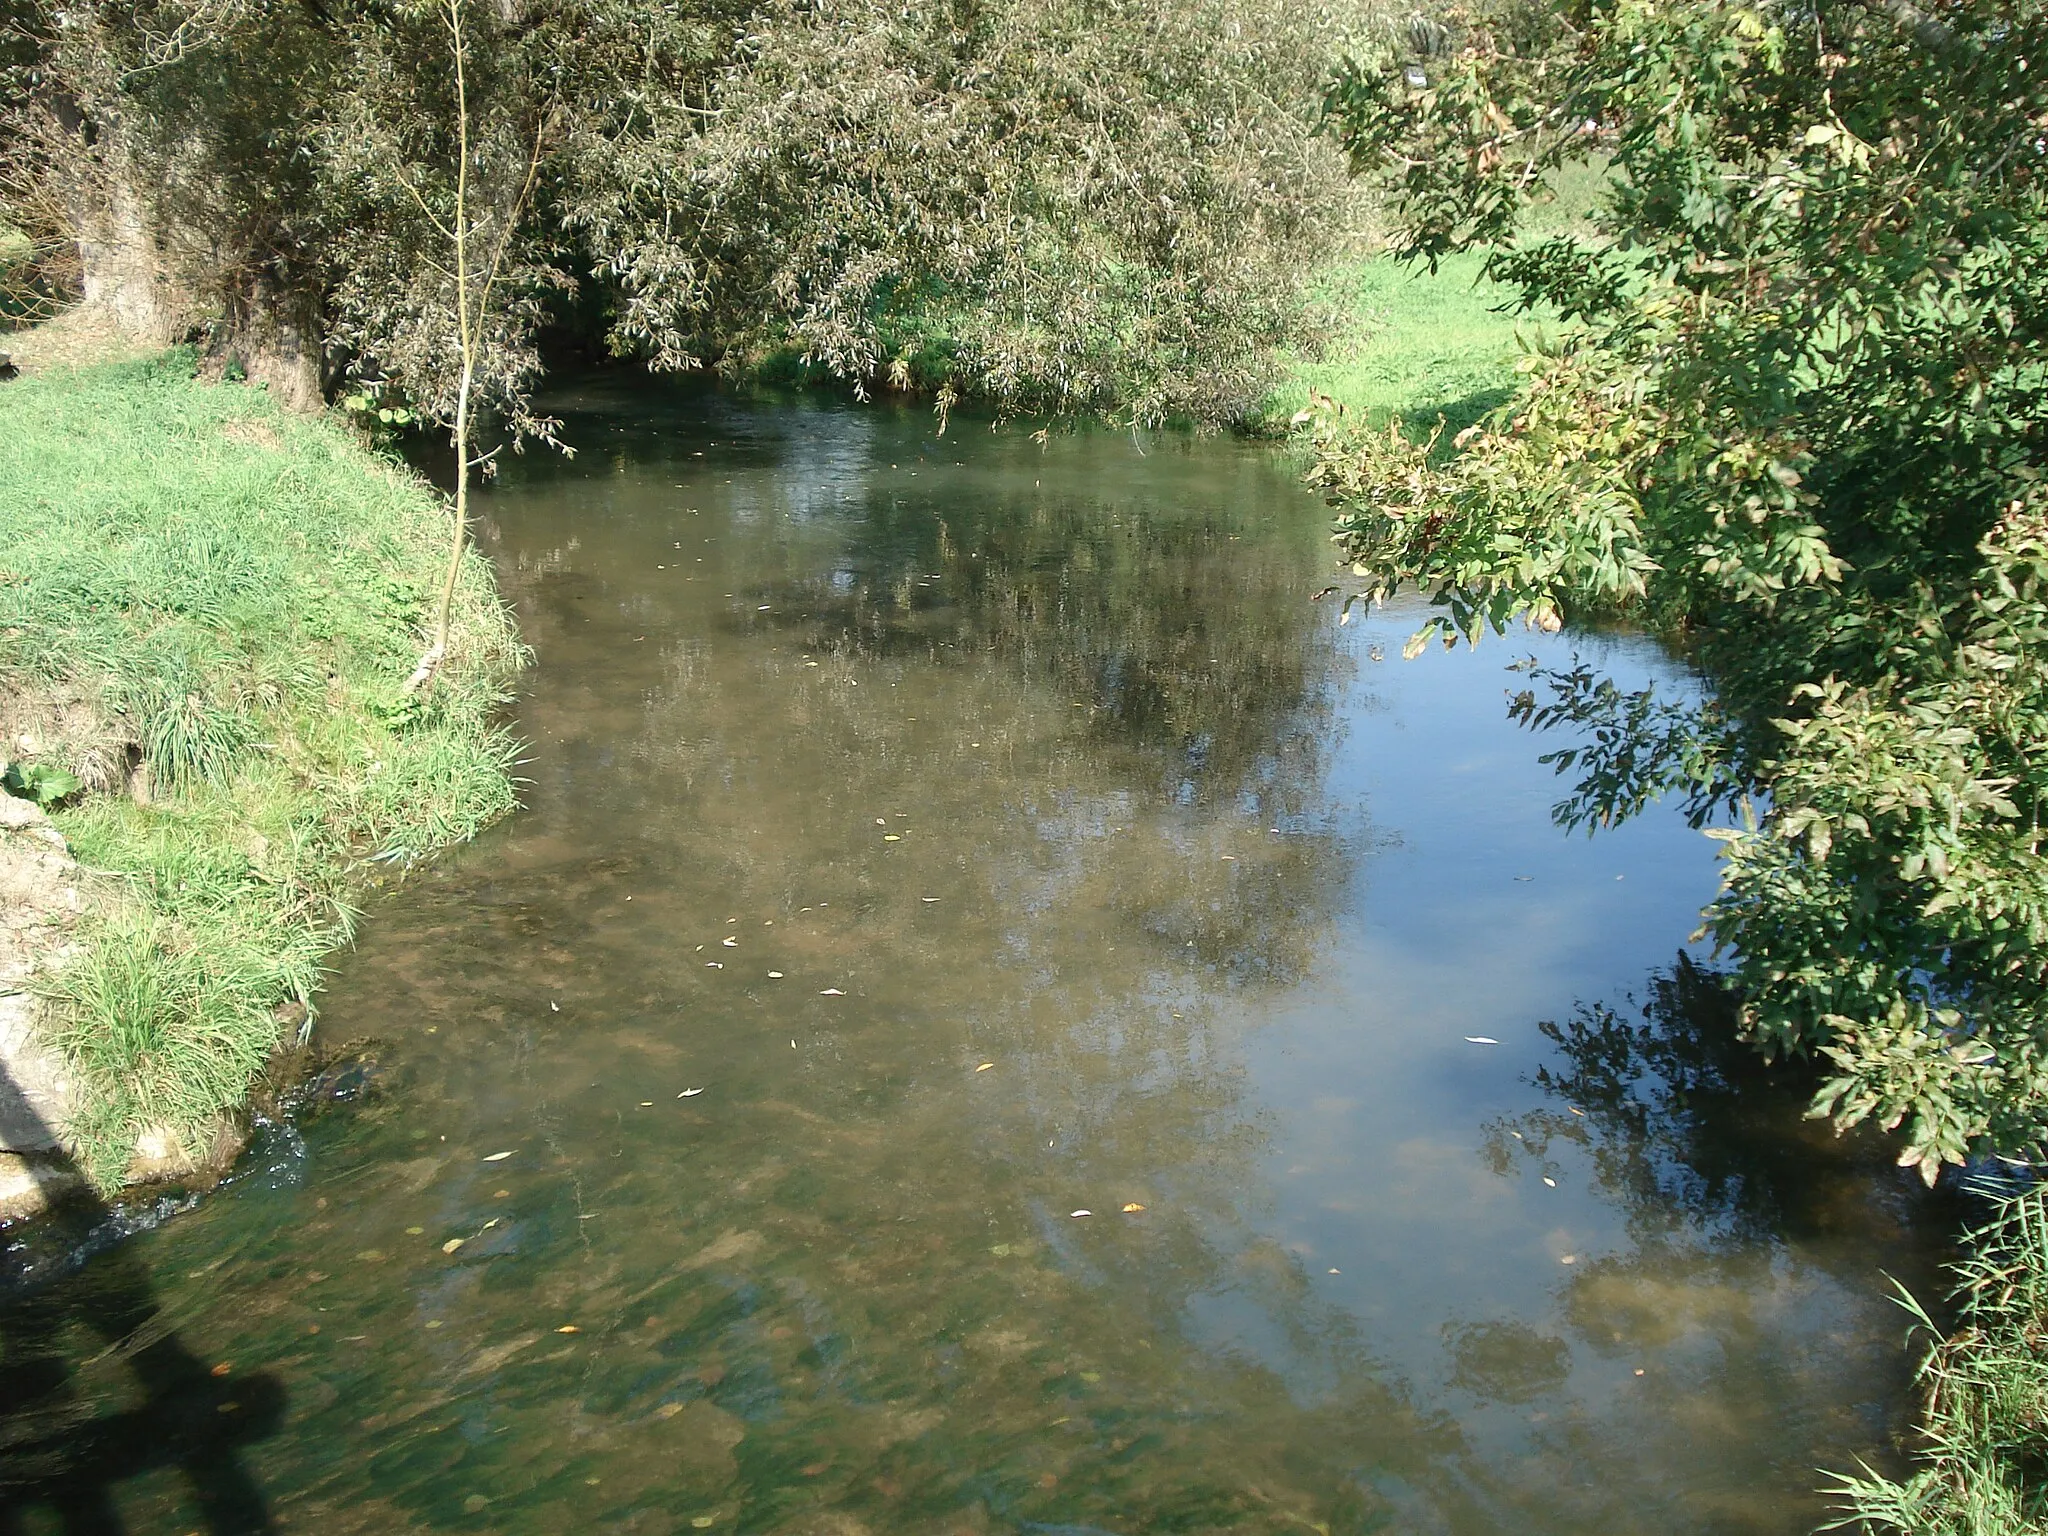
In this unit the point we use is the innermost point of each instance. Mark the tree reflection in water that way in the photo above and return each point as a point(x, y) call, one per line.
point(1750, 1233)
point(1687, 1128)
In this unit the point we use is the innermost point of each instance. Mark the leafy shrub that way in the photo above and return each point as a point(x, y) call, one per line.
point(1795, 417)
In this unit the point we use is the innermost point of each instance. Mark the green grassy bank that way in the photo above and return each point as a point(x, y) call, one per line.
point(1984, 1423)
point(1403, 343)
point(207, 610)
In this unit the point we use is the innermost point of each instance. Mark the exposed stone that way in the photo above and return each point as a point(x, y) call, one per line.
point(40, 902)
point(161, 1155)
point(31, 1184)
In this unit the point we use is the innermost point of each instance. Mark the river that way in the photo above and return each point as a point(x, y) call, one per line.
point(1001, 1015)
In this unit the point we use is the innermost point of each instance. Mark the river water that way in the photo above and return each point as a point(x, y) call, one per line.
point(1001, 1015)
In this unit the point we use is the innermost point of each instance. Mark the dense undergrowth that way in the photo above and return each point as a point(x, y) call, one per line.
point(211, 605)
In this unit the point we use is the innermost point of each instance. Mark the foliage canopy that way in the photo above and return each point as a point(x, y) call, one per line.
point(1047, 204)
point(1795, 416)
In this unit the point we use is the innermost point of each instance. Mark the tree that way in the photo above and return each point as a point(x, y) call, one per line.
point(1096, 207)
point(1793, 415)
point(474, 220)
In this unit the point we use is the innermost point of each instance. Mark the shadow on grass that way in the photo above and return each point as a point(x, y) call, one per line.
point(60, 1449)
point(1456, 415)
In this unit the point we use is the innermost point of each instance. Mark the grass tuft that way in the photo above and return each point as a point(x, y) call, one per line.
point(166, 1026)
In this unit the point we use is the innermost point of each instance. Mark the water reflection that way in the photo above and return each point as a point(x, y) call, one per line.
point(929, 841)
point(1704, 1153)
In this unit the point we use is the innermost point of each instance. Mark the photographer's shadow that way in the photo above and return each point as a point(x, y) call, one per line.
point(73, 1289)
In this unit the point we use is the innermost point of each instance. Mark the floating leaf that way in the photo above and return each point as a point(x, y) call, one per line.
point(1132, 1206)
point(730, 943)
point(927, 899)
point(891, 837)
point(1481, 1040)
point(568, 1328)
point(1547, 1179)
point(499, 1157)
point(689, 1093)
point(831, 992)
point(984, 1066)
point(453, 1243)
point(1080, 1213)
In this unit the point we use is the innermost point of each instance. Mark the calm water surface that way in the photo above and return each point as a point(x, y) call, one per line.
point(972, 1033)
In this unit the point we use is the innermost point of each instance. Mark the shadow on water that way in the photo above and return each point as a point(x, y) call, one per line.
point(61, 1450)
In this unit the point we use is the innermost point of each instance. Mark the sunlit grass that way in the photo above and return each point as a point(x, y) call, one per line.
point(1397, 341)
point(240, 593)
point(1407, 344)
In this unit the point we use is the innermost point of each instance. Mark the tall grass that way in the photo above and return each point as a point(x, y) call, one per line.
point(239, 593)
point(1985, 1418)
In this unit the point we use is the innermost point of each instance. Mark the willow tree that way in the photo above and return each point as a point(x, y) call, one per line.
point(1107, 206)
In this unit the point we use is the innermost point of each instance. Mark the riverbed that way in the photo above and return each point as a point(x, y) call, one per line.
point(1000, 1014)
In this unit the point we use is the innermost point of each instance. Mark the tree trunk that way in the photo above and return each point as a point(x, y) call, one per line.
point(125, 270)
point(272, 329)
